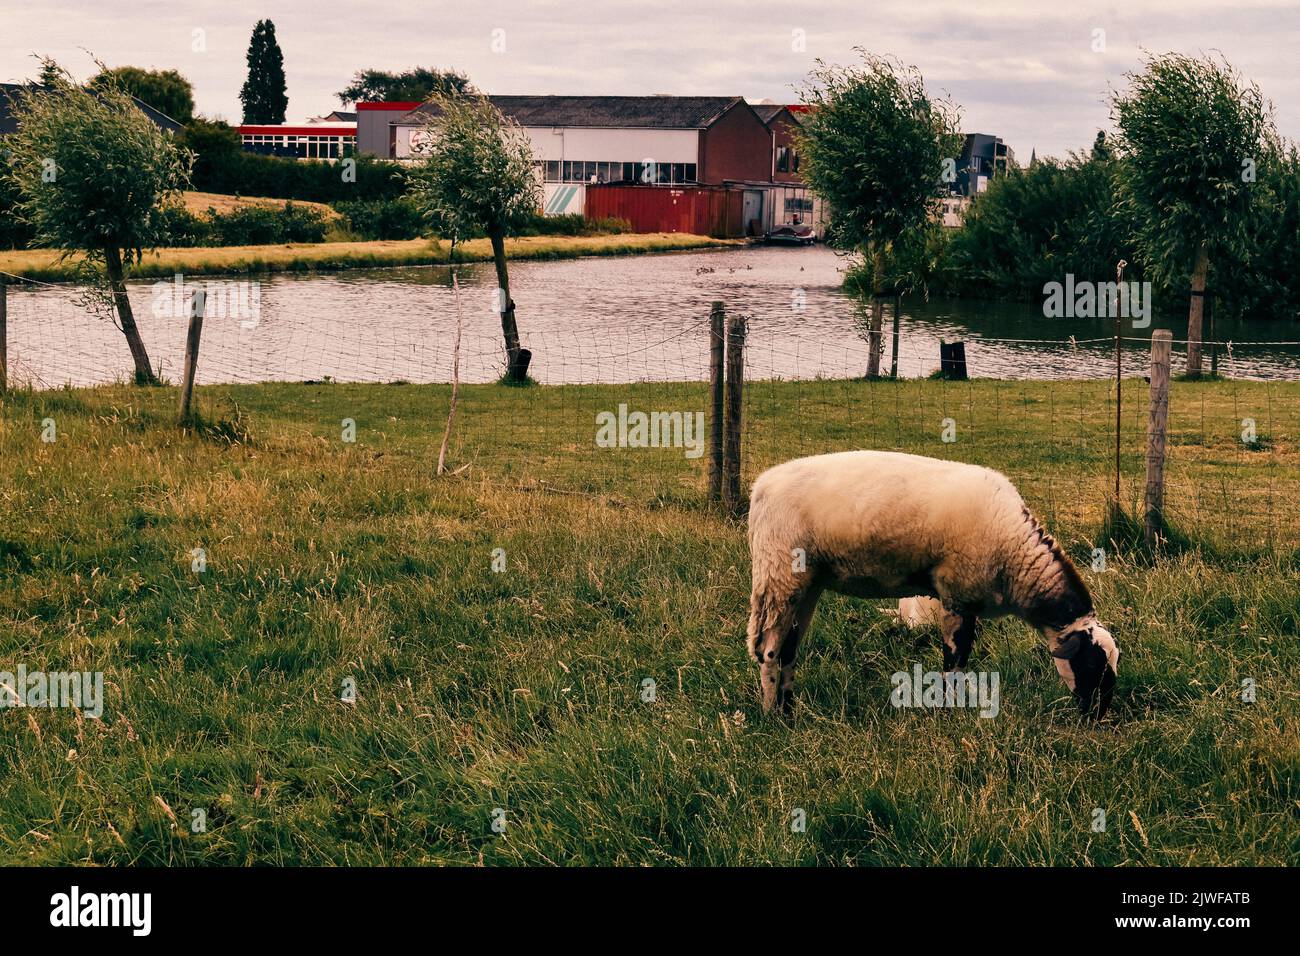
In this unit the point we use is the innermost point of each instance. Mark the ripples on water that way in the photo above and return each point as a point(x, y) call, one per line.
point(642, 318)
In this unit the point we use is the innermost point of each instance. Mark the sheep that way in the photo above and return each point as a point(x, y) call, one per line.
point(883, 525)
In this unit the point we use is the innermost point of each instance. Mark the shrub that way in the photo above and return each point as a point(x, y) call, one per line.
point(383, 219)
point(184, 228)
point(245, 226)
point(571, 224)
point(1034, 225)
point(14, 233)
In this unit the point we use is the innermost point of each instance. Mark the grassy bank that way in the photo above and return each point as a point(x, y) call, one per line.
point(330, 562)
point(43, 264)
point(202, 203)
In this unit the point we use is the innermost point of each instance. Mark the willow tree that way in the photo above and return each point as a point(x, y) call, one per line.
point(475, 172)
point(93, 173)
point(874, 145)
point(1191, 132)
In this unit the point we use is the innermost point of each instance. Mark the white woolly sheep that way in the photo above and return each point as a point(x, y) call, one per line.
point(878, 525)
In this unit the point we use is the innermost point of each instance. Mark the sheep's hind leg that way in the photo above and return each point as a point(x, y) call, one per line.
point(958, 637)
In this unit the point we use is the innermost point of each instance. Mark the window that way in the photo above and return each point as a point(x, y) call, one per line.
point(636, 171)
point(783, 159)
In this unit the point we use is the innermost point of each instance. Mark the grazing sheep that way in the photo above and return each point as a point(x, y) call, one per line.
point(886, 525)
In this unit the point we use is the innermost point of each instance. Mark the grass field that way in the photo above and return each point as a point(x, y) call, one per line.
point(332, 562)
point(200, 203)
point(44, 264)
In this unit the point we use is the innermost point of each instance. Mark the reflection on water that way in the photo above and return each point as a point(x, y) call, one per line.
point(587, 320)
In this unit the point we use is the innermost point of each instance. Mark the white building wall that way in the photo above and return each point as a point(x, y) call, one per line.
point(595, 145)
point(615, 145)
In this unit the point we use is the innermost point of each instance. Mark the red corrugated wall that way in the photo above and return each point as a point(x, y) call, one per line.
point(702, 210)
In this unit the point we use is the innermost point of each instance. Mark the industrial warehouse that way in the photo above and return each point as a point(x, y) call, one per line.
point(709, 165)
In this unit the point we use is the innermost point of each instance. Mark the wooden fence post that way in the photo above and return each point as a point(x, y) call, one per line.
point(1157, 426)
point(735, 394)
point(197, 306)
point(455, 378)
point(4, 335)
point(717, 346)
point(893, 358)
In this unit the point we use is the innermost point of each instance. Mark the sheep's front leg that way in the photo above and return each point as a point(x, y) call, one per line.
point(790, 648)
point(776, 625)
point(958, 637)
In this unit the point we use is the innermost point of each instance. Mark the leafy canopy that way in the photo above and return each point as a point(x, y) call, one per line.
point(1190, 130)
point(410, 86)
point(164, 90)
point(91, 170)
point(1034, 225)
point(873, 145)
point(476, 169)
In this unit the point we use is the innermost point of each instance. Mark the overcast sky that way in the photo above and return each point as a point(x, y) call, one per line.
point(1026, 71)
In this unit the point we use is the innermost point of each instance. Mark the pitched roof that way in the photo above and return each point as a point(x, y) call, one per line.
point(657, 112)
point(770, 111)
point(9, 123)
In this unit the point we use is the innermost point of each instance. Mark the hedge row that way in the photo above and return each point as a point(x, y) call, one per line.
point(245, 226)
point(222, 166)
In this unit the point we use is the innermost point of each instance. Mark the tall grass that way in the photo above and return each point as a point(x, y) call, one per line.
point(525, 690)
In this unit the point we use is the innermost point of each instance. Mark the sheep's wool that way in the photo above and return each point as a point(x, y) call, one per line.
point(890, 525)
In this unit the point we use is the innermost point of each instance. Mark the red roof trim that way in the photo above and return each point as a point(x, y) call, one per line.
point(319, 130)
point(404, 107)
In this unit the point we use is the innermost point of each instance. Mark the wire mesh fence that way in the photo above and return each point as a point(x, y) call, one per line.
point(620, 409)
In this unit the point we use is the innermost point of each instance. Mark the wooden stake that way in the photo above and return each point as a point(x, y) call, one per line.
point(735, 396)
point(717, 348)
point(4, 335)
point(893, 359)
point(1157, 428)
point(1119, 381)
point(197, 306)
point(455, 379)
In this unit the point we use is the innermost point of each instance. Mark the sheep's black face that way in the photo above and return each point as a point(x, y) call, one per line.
point(1087, 659)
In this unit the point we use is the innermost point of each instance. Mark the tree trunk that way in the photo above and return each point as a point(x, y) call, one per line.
point(1196, 313)
point(126, 318)
point(517, 358)
point(875, 344)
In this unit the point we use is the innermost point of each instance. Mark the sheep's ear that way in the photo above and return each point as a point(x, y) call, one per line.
point(1069, 646)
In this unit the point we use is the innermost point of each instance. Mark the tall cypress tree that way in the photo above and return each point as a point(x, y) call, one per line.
point(263, 94)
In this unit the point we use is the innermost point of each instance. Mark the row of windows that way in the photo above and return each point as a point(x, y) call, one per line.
point(304, 147)
point(787, 159)
point(642, 171)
